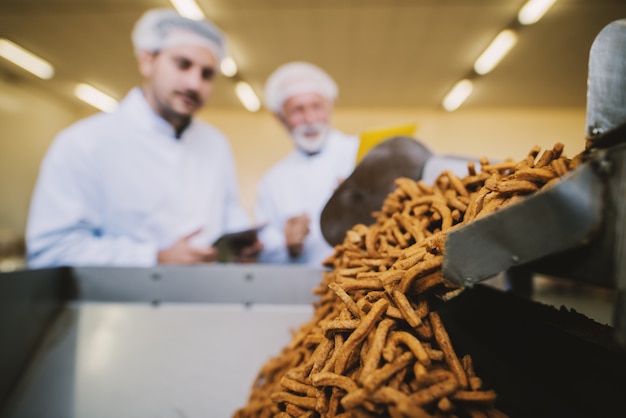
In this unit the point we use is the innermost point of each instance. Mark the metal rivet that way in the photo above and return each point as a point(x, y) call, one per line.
point(515, 258)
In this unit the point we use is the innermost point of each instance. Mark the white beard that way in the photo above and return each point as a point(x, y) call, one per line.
point(310, 138)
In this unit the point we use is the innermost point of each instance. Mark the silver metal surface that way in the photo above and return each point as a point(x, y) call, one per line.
point(214, 283)
point(557, 218)
point(162, 342)
point(28, 305)
point(111, 360)
point(606, 84)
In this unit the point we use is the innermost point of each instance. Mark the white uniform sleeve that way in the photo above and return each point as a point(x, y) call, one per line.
point(64, 224)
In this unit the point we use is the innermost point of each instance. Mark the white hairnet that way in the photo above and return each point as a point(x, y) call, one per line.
point(295, 78)
point(161, 28)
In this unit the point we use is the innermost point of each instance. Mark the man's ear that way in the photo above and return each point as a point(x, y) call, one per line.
point(145, 60)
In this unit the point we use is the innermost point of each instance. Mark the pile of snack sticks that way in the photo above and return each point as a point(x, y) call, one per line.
point(376, 345)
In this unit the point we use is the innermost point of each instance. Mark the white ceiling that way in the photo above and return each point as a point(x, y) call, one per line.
point(383, 53)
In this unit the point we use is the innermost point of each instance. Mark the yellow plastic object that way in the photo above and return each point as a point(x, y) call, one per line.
point(370, 139)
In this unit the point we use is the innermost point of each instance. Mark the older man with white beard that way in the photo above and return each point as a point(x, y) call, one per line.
point(293, 193)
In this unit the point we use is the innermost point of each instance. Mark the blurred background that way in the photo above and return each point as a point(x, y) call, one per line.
point(395, 62)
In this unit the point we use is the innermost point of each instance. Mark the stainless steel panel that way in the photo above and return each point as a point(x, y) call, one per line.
point(558, 218)
point(215, 283)
point(113, 360)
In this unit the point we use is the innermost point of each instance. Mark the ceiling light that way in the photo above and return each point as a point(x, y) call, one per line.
point(188, 9)
point(95, 97)
point(25, 59)
point(228, 67)
point(247, 97)
point(457, 95)
point(494, 53)
point(533, 10)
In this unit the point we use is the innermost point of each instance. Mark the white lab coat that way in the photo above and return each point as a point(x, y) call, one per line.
point(116, 188)
point(299, 184)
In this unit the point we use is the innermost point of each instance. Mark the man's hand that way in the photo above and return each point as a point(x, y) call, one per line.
point(182, 252)
point(250, 253)
point(296, 229)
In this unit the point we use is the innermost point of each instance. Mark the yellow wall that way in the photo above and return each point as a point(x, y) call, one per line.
point(29, 119)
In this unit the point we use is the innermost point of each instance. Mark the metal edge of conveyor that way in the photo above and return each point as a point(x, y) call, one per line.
point(553, 220)
point(30, 301)
point(216, 283)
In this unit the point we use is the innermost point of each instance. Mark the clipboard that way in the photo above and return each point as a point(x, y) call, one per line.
point(229, 245)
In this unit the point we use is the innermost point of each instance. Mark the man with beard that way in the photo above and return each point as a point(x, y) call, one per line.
point(293, 193)
point(147, 183)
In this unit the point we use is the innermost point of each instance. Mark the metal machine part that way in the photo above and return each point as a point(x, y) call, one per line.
point(367, 187)
point(606, 88)
point(576, 229)
point(553, 220)
point(168, 341)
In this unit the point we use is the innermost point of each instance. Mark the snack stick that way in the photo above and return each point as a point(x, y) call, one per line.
point(396, 379)
point(457, 184)
point(339, 325)
point(333, 402)
point(559, 166)
point(372, 381)
point(481, 396)
point(298, 387)
point(436, 391)
point(391, 276)
point(445, 405)
point(367, 323)
point(475, 383)
point(516, 186)
point(403, 304)
point(476, 204)
point(443, 339)
point(333, 379)
point(378, 342)
point(346, 299)
point(352, 272)
point(557, 149)
point(354, 399)
point(393, 312)
point(453, 201)
point(424, 331)
point(408, 186)
point(412, 343)
point(321, 353)
point(471, 168)
point(399, 236)
point(499, 168)
point(402, 402)
point(414, 275)
point(330, 363)
point(546, 157)
point(370, 241)
point(446, 216)
point(468, 365)
point(350, 285)
point(493, 202)
point(289, 398)
point(538, 175)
